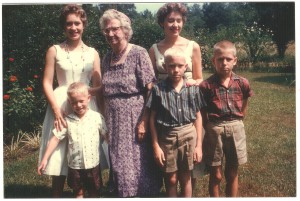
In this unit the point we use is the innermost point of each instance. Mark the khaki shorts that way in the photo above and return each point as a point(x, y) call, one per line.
point(178, 145)
point(227, 139)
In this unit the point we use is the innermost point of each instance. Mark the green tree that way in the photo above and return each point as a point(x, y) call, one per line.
point(280, 18)
point(195, 17)
point(216, 14)
point(146, 31)
point(128, 9)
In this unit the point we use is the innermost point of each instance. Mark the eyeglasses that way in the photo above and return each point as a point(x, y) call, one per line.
point(113, 29)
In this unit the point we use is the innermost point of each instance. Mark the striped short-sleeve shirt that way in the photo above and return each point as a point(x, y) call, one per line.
point(175, 109)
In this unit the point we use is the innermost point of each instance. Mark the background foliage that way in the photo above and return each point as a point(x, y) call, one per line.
point(262, 32)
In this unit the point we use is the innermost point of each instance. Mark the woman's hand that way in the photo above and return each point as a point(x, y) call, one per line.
point(192, 82)
point(141, 131)
point(59, 122)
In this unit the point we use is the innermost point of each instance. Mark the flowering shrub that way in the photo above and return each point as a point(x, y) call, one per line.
point(22, 105)
point(13, 78)
point(6, 96)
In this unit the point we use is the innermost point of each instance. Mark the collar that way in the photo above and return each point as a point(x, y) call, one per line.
point(233, 77)
point(169, 85)
point(74, 117)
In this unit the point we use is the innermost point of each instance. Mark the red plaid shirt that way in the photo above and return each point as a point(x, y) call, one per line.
point(225, 104)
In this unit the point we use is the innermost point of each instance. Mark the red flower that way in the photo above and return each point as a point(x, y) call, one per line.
point(29, 88)
point(13, 78)
point(11, 59)
point(6, 96)
point(35, 76)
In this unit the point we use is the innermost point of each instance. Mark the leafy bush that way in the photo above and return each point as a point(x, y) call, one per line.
point(22, 104)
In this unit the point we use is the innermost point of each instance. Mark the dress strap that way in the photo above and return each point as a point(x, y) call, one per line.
point(190, 48)
point(156, 51)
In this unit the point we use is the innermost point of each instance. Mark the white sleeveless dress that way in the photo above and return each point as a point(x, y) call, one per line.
point(159, 60)
point(66, 73)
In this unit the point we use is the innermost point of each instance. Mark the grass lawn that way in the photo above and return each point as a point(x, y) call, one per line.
point(271, 142)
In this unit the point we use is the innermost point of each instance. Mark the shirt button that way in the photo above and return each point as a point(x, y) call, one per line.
point(179, 110)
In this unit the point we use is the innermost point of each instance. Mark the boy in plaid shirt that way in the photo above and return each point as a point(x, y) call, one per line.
point(226, 95)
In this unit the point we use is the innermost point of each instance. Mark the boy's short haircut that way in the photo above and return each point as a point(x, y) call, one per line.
point(225, 44)
point(77, 87)
point(174, 52)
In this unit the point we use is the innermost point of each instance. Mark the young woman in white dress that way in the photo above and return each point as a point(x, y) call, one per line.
point(71, 61)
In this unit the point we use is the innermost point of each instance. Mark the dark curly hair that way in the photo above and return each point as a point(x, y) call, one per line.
point(72, 9)
point(166, 9)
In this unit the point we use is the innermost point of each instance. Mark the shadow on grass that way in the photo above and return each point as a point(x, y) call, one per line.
point(30, 191)
point(283, 79)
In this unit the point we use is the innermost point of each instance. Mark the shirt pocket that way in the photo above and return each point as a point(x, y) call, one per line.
point(214, 97)
point(236, 94)
point(189, 102)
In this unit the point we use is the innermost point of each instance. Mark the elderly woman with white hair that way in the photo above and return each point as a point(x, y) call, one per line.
point(128, 76)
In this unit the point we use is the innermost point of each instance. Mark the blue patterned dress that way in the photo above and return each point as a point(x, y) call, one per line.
point(133, 167)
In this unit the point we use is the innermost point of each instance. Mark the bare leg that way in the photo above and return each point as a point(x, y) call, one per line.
point(231, 175)
point(171, 184)
point(194, 182)
point(215, 178)
point(186, 183)
point(79, 193)
point(58, 183)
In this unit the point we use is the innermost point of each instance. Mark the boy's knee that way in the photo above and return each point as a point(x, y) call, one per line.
point(172, 179)
point(216, 177)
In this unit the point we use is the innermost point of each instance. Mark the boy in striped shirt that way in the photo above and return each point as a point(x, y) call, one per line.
point(176, 124)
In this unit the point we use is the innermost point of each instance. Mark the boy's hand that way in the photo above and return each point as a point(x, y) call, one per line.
point(197, 155)
point(42, 167)
point(159, 156)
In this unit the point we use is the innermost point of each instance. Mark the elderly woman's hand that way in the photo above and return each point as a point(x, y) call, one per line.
point(141, 131)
